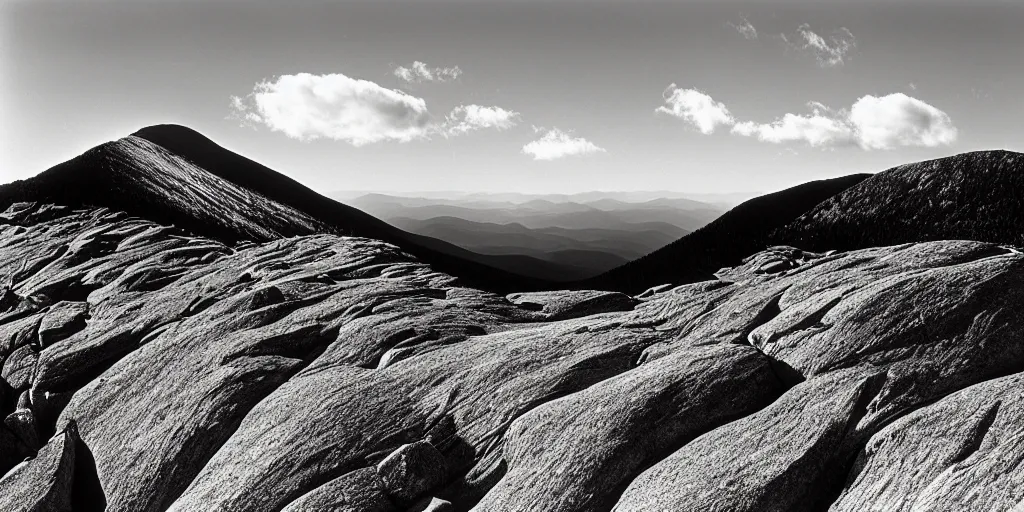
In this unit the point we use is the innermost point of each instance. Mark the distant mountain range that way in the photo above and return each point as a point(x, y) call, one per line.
point(583, 234)
point(722, 200)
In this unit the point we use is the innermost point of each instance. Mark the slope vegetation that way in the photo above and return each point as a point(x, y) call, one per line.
point(971, 196)
point(739, 232)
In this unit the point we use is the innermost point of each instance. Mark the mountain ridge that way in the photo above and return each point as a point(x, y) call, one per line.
point(112, 175)
point(949, 198)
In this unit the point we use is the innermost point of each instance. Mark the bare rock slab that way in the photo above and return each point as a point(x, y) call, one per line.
point(43, 483)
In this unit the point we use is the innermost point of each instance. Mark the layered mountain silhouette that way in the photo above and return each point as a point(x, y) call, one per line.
point(174, 175)
point(586, 252)
point(607, 213)
point(583, 234)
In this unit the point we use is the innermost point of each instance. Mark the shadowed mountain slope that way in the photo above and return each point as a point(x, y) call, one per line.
point(173, 175)
point(971, 196)
point(725, 241)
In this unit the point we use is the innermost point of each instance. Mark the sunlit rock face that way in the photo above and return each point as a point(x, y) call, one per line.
point(148, 369)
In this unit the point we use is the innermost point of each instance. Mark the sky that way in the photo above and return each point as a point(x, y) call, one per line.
point(552, 96)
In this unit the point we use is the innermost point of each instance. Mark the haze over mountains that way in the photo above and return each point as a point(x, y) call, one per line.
point(182, 329)
point(586, 234)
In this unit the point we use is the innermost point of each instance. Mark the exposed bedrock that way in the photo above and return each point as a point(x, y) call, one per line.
point(148, 369)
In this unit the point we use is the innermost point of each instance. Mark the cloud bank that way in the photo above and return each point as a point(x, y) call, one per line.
point(557, 144)
point(421, 72)
point(336, 107)
point(872, 123)
point(696, 108)
point(830, 52)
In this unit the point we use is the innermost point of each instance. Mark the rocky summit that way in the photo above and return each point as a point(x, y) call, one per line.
point(146, 369)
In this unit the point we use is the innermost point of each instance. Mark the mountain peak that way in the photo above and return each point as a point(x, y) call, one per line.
point(174, 175)
point(171, 132)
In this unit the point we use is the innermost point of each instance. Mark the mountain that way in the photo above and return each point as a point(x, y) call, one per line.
point(739, 232)
point(146, 368)
point(173, 175)
point(971, 196)
point(514, 238)
point(604, 213)
point(600, 234)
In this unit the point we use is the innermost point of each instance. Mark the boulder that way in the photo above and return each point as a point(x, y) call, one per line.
point(61, 320)
point(562, 305)
point(19, 367)
point(22, 423)
point(358, 491)
point(45, 481)
point(411, 471)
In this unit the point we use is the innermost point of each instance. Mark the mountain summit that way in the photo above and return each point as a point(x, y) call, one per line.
point(174, 175)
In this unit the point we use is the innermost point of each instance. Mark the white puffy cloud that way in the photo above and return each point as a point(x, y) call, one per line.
point(696, 108)
point(466, 118)
point(885, 122)
point(822, 128)
point(815, 130)
point(746, 29)
point(421, 72)
point(900, 120)
point(557, 144)
point(334, 106)
point(829, 52)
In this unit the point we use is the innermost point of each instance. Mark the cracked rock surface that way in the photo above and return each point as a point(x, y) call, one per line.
point(146, 369)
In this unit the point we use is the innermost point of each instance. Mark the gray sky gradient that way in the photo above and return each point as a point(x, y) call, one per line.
point(75, 74)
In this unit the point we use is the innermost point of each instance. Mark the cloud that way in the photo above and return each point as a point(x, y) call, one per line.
point(900, 120)
point(696, 108)
point(558, 144)
point(243, 113)
point(815, 130)
point(467, 118)
point(872, 123)
point(829, 52)
point(421, 72)
point(746, 29)
point(309, 107)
